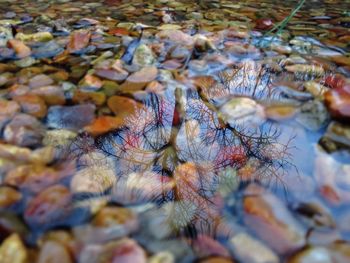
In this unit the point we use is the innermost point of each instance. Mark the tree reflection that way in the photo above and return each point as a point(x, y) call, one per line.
point(179, 153)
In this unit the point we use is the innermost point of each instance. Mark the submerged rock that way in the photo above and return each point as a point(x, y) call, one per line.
point(70, 117)
point(12, 250)
point(20, 48)
point(252, 250)
point(143, 56)
point(240, 111)
point(23, 130)
point(266, 215)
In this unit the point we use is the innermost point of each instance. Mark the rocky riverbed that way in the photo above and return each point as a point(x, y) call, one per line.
point(174, 131)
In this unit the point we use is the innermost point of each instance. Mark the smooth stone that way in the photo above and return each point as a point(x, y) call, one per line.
point(19, 47)
point(47, 50)
point(338, 103)
point(240, 111)
point(32, 104)
point(139, 79)
point(270, 219)
point(70, 117)
point(54, 252)
point(50, 207)
point(104, 124)
point(313, 115)
point(243, 245)
point(78, 41)
point(39, 81)
point(123, 106)
point(312, 255)
point(23, 130)
point(12, 250)
point(143, 56)
point(93, 179)
point(52, 95)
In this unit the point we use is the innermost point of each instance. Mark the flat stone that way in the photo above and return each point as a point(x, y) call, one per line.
point(70, 117)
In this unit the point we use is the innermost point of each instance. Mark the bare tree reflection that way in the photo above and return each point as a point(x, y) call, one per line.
point(175, 151)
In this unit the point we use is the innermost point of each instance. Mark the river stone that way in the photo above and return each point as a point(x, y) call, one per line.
point(243, 245)
point(70, 117)
point(270, 219)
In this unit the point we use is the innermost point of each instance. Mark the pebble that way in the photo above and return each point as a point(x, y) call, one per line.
point(32, 104)
point(270, 219)
point(19, 47)
point(49, 207)
point(54, 252)
point(243, 246)
point(239, 111)
point(12, 250)
point(123, 106)
point(23, 130)
point(70, 117)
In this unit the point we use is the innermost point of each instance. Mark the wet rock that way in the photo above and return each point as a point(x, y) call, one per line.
point(90, 82)
point(143, 56)
point(5, 78)
point(47, 50)
point(264, 23)
point(205, 246)
point(50, 207)
point(216, 260)
point(338, 103)
point(180, 52)
point(242, 110)
point(54, 252)
point(335, 81)
point(333, 178)
point(12, 250)
point(179, 248)
point(271, 220)
point(316, 214)
point(32, 104)
point(70, 117)
point(313, 254)
point(82, 97)
point(39, 81)
point(112, 74)
point(248, 249)
point(34, 177)
point(280, 112)
point(104, 124)
point(52, 95)
point(9, 108)
point(23, 130)
point(140, 79)
point(78, 41)
point(316, 89)
point(337, 137)
point(25, 62)
point(313, 115)
point(9, 196)
point(36, 37)
point(59, 138)
point(307, 70)
point(162, 257)
point(93, 179)
point(19, 47)
point(5, 35)
point(123, 106)
point(141, 187)
point(112, 216)
point(176, 37)
point(128, 251)
point(281, 49)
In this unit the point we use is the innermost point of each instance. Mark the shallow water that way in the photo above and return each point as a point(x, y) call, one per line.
point(174, 131)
